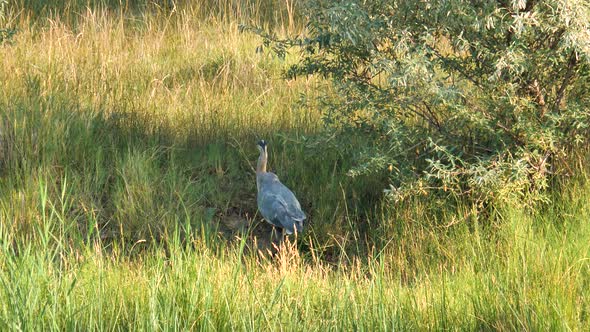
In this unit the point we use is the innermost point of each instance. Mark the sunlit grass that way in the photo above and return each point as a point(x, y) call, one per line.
point(128, 139)
point(530, 276)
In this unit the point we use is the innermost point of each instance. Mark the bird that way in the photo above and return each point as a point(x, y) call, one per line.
point(277, 203)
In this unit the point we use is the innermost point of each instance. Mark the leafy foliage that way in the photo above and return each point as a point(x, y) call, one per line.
point(479, 99)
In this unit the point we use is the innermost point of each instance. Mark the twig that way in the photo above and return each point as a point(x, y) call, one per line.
point(573, 61)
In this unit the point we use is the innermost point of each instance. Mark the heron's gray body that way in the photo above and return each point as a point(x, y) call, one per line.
point(277, 204)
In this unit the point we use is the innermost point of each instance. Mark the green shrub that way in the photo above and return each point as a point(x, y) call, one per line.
point(484, 100)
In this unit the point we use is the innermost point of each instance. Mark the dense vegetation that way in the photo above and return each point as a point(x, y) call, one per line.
point(482, 100)
point(127, 194)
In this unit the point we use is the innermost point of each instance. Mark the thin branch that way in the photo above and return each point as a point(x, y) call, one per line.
point(573, 61)
point(432, 115)
point(510, 133)
point(455, 66)
point(428, 119)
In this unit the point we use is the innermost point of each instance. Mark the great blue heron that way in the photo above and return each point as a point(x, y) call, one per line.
point(277, 204)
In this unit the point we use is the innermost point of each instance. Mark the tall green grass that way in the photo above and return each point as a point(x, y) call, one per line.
point(163, 111)
point(529, 272)
point(127, 194)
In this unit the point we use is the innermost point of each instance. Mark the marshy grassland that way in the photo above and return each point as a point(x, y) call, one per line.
point(128, 197)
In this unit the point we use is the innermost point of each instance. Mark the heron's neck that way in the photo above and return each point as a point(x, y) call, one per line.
point(261, 166)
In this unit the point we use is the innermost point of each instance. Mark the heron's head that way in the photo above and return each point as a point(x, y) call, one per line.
point(261, 145)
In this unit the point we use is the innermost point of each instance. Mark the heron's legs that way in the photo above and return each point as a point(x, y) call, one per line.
point(276, 238)
point(283, 235)
point(273, 238)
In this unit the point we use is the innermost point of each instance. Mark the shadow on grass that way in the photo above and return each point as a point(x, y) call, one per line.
point(112, 174)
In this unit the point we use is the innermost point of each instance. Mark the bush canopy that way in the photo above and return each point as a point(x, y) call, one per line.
point(480, 99)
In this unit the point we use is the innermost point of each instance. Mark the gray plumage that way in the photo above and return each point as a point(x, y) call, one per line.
point(277, 204)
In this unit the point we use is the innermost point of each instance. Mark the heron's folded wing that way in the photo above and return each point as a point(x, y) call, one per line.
point(296, 213)
point(291, 203)
point(276, 210)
